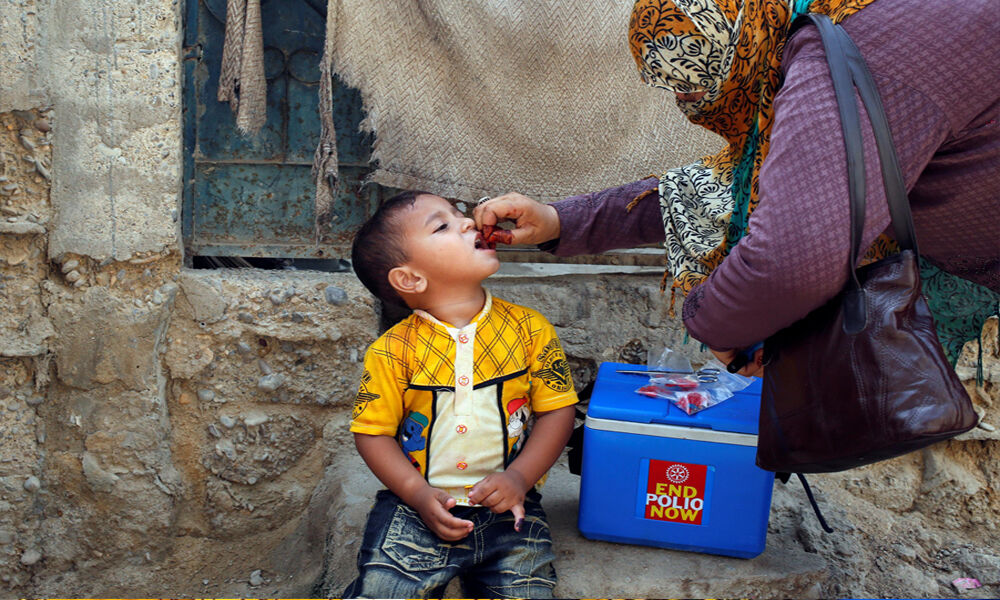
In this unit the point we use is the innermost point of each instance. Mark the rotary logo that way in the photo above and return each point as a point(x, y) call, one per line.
point(677, 473)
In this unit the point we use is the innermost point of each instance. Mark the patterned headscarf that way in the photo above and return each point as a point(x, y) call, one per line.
point(731, 50)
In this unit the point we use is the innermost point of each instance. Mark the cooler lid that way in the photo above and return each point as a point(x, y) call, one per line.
point(614, 397)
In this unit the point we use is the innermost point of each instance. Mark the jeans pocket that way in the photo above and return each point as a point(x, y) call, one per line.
point(411, 544)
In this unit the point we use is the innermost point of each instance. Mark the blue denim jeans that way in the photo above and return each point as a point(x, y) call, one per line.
point(401, 557)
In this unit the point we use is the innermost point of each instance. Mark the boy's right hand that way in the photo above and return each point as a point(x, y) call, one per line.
point(433, 504)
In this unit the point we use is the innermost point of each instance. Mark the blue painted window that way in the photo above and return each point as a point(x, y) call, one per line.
point(253, 196)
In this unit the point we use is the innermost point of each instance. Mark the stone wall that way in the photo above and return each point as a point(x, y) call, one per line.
point(165, 431)
point(25, 334)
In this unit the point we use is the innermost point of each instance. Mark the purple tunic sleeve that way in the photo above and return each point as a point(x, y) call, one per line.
point(795, 256)
point(593, 223)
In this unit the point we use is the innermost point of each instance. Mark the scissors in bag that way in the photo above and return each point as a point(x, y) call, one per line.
point(706, 375)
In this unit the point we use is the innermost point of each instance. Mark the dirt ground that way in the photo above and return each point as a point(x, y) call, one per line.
point(902, 528)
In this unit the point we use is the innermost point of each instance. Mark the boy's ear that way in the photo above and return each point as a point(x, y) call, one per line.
point(406, 280)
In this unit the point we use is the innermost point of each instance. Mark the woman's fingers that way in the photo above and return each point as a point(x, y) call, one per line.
point(755, 368)
point(534, 222)
point(495, 210)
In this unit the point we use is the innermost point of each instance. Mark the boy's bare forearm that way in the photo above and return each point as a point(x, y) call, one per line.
point(547, 440)
point(386, 460)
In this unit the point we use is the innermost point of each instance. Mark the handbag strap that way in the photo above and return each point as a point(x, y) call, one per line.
point(848, 67)
point(812, 502)
point(892, 174)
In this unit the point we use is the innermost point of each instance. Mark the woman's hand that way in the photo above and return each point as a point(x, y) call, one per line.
point(754, 368)
point(534, 222)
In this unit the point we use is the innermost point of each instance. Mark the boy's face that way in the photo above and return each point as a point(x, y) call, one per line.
point(444, 245)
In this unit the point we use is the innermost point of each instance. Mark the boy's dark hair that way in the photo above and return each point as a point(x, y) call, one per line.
point(378, 247)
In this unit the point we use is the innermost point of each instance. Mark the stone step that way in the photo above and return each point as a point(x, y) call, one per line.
point(587, 568)
point(596, 569)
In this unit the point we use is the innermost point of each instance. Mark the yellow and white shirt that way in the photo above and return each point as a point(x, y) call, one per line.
point(459, 400)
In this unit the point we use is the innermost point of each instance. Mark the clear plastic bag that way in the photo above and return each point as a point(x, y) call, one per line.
point(730, 381)
point(692, 393)
point(666, 359)
point(689, 396)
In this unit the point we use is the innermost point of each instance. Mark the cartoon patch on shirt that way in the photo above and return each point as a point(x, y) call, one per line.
point(411, 435)
point(519, 413)
point(555, 370)
point(518, 425)
point(364, 396)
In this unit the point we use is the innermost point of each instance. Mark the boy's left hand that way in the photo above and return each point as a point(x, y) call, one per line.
point(501, 492)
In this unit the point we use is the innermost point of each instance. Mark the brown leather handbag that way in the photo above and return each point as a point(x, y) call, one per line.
point(863, 378)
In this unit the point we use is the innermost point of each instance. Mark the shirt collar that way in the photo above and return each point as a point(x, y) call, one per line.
point(453, 331)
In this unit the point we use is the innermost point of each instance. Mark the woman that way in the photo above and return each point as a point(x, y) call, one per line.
point(757, 236)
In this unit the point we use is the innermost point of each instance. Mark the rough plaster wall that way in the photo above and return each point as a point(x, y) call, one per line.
point(21, 52)
point(109, 454)
point(88, 474)
point(25, 215)
point(184, 423)
point(112, 70)
point(259, 362)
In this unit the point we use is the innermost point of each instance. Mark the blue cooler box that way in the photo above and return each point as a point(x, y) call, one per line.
point(656, 476)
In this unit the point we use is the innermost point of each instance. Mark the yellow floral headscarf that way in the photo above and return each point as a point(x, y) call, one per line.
point(730, 50)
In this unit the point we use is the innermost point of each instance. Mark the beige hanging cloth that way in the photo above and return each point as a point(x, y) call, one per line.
point(242, 82)
point(477, 98)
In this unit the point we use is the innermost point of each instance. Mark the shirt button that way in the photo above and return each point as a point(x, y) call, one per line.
point(461, 429)
point(463, 380)
point(463, 338)
point(462, 466)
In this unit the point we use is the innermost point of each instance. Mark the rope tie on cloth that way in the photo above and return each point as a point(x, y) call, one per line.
point(632, 204)
point(325, 163)
point(242, 81)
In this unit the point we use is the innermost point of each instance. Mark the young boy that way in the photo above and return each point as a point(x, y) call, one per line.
point(442, 414)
